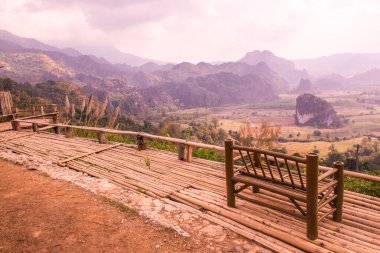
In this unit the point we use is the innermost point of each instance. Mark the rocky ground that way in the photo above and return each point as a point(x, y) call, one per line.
point(198, 234)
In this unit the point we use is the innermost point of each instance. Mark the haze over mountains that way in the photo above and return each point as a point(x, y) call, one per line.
point(346, 65)
point(258, 76)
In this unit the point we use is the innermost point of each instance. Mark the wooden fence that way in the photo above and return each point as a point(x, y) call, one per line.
point(184, 146)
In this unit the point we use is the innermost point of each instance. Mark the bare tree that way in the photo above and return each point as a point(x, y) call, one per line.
point(261, 137)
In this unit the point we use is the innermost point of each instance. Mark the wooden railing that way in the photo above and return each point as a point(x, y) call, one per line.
point(184, 146)
point(8, 117)
point(310, 190)
point(36, 109)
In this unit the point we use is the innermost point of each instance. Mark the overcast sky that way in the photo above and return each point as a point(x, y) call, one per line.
point(200, 30)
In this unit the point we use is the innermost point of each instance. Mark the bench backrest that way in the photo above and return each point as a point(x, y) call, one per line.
point(273, 166)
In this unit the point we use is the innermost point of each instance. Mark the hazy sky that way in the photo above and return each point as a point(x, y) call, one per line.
point(200, 30)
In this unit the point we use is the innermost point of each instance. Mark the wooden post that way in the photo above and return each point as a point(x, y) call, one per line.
point(69, 132)
point(229, 163)
point(55, 118)
point(189, 153)
point(312, 195)
point(57, 130)
point(42, 110)
point(102, 137)
point(181, 151)
point(16, 125)
point(185, 152)
point(35, 128)
point(339, 189)
point(54, 108)
point(141, 145)
point(33, 110)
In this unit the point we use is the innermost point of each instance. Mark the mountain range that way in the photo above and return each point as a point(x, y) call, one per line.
point(258, 76)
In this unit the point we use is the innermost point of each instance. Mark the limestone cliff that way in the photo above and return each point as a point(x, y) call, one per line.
point(315, 111)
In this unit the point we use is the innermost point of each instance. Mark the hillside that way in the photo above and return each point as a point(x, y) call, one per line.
point(185, 70)
point(213, 90)
point(368, 78)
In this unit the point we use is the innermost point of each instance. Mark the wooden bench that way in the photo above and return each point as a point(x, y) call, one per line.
point(315, 194)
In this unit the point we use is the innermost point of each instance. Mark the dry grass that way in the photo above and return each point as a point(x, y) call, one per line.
point(322, 146)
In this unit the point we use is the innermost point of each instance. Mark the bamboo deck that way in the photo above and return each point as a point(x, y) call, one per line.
point(201, 185)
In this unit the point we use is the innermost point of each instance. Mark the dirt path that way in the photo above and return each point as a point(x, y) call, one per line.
point(40, 214)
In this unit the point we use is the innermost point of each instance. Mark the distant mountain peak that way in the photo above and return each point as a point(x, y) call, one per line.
point(109, 53)
point(284, 67)
point(30, 43)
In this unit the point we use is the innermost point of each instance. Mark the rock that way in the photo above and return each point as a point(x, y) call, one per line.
point(169, 208)
point(315, 111)
point(212, 231)
point(247, 247)
point(186, 217)
point(238, 241)
point(157, 203)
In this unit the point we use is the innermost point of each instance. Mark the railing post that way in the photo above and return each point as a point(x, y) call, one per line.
point(189, 153)
point(57, 130)
point(55, 118)
point(35, 128)
point(102, 137)
point(181, 152)
point(69, 132)
point(339, 189)
point(229, 167)
point(34, 110)
point(141, 145)
point(16, 125)
point(185, 152)
point(312, 195)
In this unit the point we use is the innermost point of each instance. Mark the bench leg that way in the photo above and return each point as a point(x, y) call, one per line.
point(231, 194)
point(339, 189)
point(312, 196)
point(255, 189)
point(229, 163)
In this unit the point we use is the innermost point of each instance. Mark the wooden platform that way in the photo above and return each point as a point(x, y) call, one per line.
point(201, 185)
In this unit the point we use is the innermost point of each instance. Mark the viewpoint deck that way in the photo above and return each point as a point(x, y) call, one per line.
point(201, 184)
